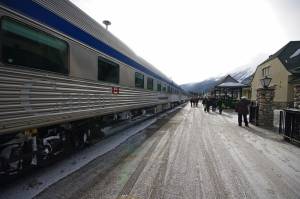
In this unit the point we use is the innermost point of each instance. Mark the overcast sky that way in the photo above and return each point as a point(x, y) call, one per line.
point(193, 40)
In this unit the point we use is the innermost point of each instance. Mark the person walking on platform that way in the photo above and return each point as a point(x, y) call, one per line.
point(213, 104)
point(196, 101)
point(242, 110)
point(204, 102)
point(220, 105)
point(208, 104)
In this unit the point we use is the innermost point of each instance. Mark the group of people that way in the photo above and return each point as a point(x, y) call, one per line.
point(194, 101)
point(214, 103)
point(242, 107)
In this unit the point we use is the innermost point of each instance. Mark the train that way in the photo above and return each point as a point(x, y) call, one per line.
point(62, 78)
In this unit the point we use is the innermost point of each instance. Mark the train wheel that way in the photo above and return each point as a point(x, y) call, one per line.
point(80, 139)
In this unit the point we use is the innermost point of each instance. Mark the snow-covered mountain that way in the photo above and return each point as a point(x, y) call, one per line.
point(240, 74)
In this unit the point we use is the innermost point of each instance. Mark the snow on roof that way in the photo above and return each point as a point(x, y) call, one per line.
point(295, 54)
point(231, 84)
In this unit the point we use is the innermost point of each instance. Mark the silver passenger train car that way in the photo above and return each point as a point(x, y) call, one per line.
point(61, 76)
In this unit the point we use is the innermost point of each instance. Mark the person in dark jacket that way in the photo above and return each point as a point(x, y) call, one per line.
point(204, 102)
point(220, 105)
point(208, 104)
point(213, 104)
point(196, 101)
point(242, 110)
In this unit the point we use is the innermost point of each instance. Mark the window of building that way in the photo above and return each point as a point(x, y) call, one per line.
point(108, 71)
point(139, 80)
point(266, 71)
point(159, 86)
point(149, 83)
point(23, 45)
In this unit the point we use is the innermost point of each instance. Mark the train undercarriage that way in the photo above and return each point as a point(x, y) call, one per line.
point(31, 148)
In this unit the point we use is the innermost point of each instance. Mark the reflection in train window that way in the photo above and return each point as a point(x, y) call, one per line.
point(158, 86)
point(108, 71)
point(25, 46)
point(149, 83)
point(169, 89)
point(164, 88)
point(139, 80)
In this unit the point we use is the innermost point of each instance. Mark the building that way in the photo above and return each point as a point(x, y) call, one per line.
point(284, 69)
point(246, 91)
point(229, 89)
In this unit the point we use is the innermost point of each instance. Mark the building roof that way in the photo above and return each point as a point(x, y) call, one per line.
point(228, 78)
point(229, 82)
point(289, 55)
point(231, 85)
point(295, 80)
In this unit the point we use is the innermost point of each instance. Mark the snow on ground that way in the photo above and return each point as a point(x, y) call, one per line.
point(32, 185)
point(205, 155)
point(271, 144)
point(192, 155)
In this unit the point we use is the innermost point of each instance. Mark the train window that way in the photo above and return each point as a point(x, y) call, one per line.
point(25, 46)
point(164, 88)
point(108, 71)
point(169, 89)
point(139, 80)
point(158, 86)
point(149, 83)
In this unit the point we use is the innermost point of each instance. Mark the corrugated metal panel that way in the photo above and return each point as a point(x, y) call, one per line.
point(30, 99)
point(77, 17)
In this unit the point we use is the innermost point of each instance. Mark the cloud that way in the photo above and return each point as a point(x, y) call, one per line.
point(288, 15)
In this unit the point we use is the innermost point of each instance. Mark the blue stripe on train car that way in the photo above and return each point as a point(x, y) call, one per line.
point(41, 14)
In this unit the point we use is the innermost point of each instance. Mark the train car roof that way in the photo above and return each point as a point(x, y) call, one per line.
point(67, 18)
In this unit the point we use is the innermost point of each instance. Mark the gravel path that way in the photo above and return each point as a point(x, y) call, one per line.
point(195, 155)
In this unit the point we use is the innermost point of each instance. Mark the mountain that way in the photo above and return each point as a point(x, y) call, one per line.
point(241, 74)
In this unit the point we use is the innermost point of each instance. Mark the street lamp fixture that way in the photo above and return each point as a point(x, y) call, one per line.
point(106, 23)
point(265, 82)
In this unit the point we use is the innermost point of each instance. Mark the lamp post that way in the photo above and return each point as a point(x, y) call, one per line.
point(265, 97)
point(265, 82)
point(106, 23)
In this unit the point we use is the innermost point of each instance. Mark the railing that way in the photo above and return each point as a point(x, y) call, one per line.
point(292, 125)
